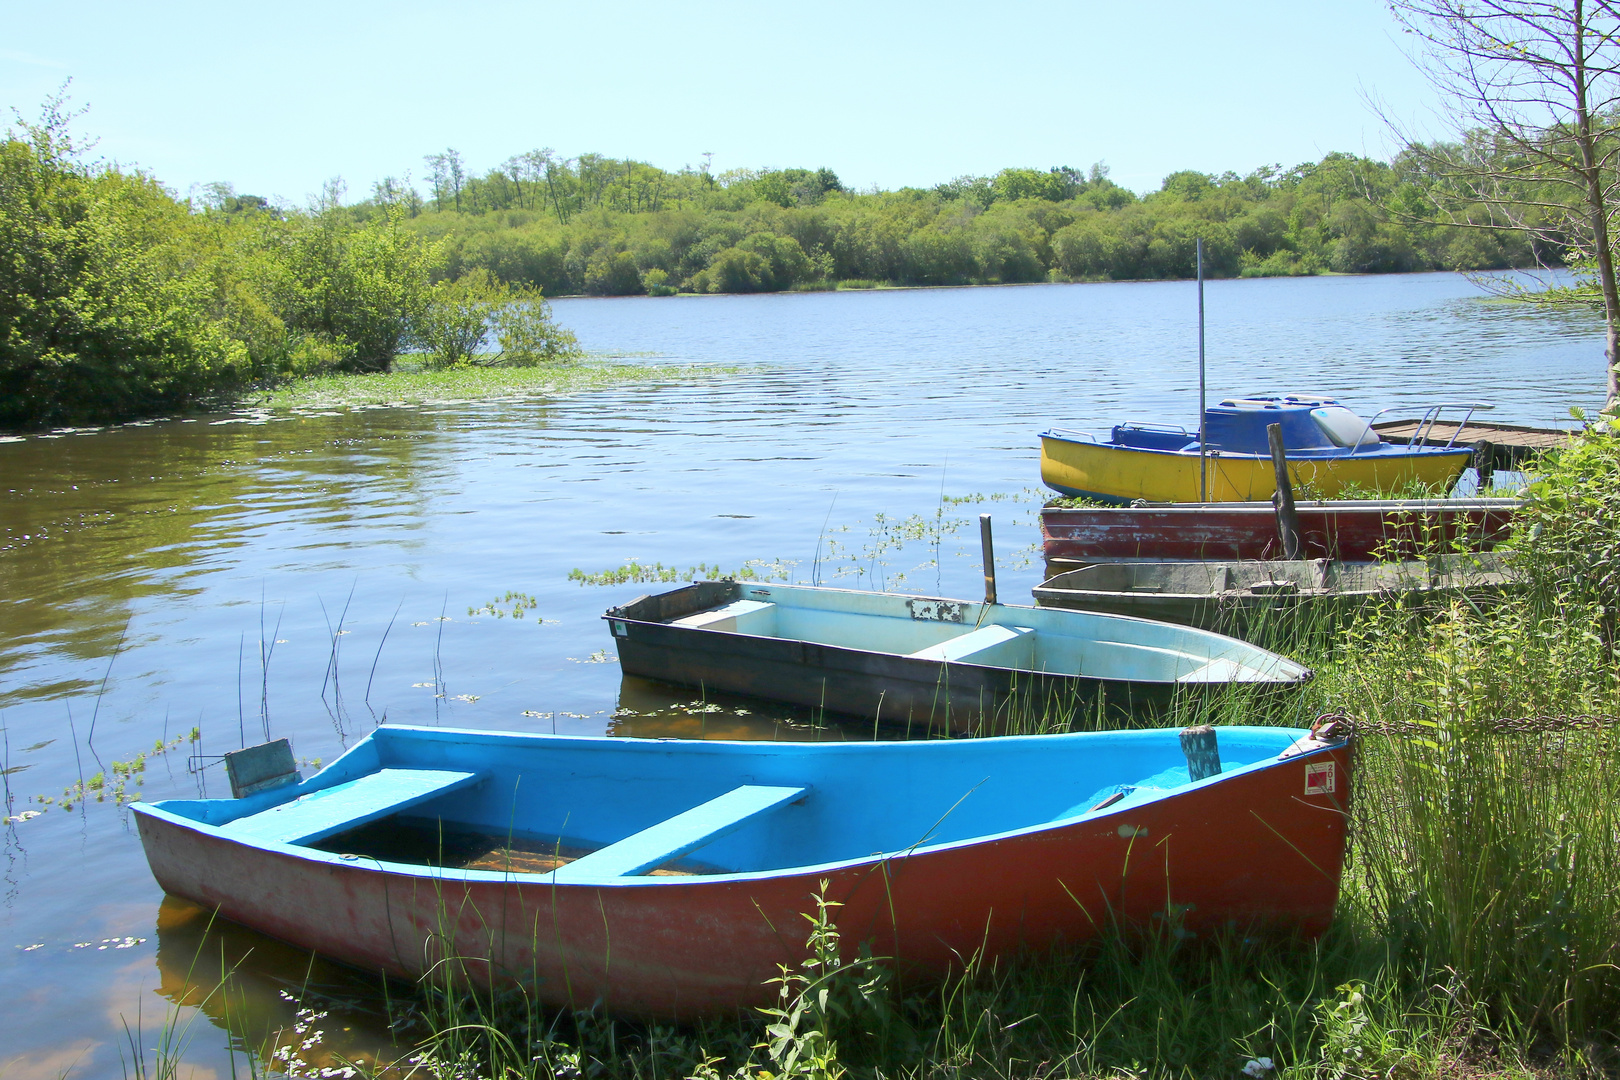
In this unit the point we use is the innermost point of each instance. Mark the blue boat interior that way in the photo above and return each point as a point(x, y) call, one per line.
point(620, 811)
point(1046, 640)
point(1311, 427)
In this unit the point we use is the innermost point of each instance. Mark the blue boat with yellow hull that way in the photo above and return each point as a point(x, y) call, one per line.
point(1328, 448)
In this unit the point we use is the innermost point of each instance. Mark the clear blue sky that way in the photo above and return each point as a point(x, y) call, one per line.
point(275, 98)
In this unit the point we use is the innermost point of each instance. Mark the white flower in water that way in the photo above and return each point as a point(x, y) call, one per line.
point(1259, 1067)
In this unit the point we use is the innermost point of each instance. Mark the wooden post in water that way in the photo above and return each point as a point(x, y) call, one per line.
point(1203, 756)
point(1484, 464)
point(1283, 500)
point(989, 559)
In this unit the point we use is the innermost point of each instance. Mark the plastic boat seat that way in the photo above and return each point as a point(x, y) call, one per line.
point(674, 837)
point(739, 617)
point(975, 645)
point(332, 810)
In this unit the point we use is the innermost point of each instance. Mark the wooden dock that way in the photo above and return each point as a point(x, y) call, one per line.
point(1496, 446)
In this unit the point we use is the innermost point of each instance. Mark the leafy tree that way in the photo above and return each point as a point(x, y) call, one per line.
point(455, 321)
point(528, 335)
point(462, 315)
point(1535, 89)
point(360, 288)
point(103, 314)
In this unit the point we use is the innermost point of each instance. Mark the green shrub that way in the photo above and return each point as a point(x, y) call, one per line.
point(527, 334)
point(104, 313)
point(1568, 546)
point(455, 322)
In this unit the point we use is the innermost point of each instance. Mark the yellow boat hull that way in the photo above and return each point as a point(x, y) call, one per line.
point(1121, 474)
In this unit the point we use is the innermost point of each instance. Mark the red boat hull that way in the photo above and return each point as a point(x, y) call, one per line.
point(1263, 850)
point(1352, 531)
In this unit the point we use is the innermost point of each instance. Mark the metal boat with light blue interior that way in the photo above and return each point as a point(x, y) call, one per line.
point(929, 663)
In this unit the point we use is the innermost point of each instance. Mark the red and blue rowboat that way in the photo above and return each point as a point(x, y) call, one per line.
point(668, 878)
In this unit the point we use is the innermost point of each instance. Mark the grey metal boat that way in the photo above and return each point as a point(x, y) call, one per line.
point(925, 662)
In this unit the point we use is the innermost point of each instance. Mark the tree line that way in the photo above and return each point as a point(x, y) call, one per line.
point(119, 298)
point(614, 227)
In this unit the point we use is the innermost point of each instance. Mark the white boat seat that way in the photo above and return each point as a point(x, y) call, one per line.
point(668, 840)
point(332, 810)
point(963, 647)
point(739, 617)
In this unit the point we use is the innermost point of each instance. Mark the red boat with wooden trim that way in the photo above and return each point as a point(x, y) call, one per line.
point(668, 878)
point(1349, 530)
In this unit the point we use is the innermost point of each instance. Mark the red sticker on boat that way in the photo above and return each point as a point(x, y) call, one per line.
point(1321, 779)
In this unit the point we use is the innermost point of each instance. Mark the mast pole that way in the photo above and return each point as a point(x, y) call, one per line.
point(1203, 429)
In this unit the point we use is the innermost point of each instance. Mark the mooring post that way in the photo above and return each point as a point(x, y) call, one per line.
point(989, 559)
point(1203, 756)
point(1283, 500)
point(1203, 420)
point(1484, 463)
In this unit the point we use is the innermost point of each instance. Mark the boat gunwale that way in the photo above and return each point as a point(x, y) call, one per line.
point(156, 811)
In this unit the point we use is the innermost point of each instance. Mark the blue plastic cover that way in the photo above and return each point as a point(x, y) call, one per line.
point(1239, 426)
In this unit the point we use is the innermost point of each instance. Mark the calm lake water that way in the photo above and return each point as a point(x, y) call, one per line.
point(309, 576)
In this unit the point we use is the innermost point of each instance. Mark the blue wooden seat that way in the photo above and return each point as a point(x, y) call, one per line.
point(332, 810)
point(670, 839)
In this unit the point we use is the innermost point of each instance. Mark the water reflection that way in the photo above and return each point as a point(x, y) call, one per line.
point(253, 986)
point(654, 710)
point(96, 524)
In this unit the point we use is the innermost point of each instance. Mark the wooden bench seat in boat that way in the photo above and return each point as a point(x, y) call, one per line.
point(1002, 646)
point(674, 837)
point(738, 617)
point(332, 810)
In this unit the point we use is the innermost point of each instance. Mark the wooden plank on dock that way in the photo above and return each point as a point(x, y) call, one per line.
point(1509, 444)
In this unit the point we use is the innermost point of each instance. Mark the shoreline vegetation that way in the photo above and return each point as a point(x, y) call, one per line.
point(410, 385)
point(1477, 935)
point(120, 300)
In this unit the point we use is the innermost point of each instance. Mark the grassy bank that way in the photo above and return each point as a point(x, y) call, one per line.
point(1478, 932)
point(421, 385)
